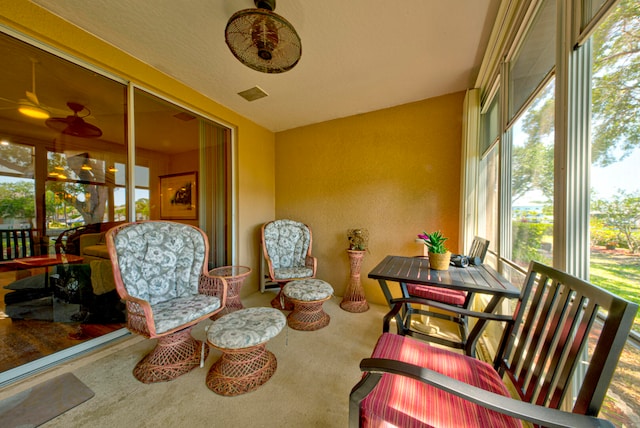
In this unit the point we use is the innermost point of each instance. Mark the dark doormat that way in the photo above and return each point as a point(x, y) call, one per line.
point(43, 402)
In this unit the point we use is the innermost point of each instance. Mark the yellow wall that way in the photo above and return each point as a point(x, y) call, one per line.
point(395, 172)
point(255, 182)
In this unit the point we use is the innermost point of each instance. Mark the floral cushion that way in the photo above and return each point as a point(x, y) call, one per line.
point(160, 261)
point(287, 243)
point(246, 327)
point(308, 290)
point(294, 272)
point(182, 310)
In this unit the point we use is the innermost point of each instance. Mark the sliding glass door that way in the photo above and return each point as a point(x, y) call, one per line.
point(67, 175)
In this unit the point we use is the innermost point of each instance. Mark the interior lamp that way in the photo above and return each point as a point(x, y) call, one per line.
point(33, 111)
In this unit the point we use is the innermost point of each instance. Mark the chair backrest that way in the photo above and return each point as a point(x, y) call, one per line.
point(286, 242)
point(16, 243)
point(479, 247)
point(157, 260)
point(559, 316)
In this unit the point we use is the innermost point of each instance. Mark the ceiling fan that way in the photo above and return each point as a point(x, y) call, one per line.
point(31, 106)
point(263, 40)
point(74, 124)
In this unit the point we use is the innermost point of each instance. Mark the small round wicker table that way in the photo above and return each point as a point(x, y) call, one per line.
point(307, 296)
point(245, 363)
point(235, 276)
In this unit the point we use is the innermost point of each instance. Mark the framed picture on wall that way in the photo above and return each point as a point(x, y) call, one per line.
point(179, 196)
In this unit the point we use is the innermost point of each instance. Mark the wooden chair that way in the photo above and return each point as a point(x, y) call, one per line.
point(16, 243)
point(457, 298)
point(558, 318)
point(160, 271)
point(286, 248)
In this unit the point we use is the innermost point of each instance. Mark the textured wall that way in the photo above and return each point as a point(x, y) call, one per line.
point(395, 172)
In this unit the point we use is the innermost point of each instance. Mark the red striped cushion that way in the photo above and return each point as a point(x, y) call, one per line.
point(402, 402)
point(444, 295)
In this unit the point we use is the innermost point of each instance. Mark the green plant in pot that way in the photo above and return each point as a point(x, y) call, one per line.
point(439, 256)
point(358, 239)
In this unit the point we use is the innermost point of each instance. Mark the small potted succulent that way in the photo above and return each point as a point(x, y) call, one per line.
point(439, 256)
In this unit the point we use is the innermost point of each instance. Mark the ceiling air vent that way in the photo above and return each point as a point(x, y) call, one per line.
point(253, 94)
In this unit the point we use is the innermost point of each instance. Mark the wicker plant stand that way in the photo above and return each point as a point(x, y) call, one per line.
point(354, 299)
point(173, 356)
point(245, 363)
point(307, 296)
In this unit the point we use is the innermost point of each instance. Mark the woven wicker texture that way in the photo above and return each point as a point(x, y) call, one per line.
point(174, 355)
point(354, 299)
point(239, 371)
point(235, 276)
point(308, 316)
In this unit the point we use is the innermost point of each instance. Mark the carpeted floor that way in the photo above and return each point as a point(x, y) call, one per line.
point(316, 371)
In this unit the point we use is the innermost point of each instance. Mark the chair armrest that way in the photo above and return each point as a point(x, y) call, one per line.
point(522, 410)
point(311, 262)
point(397, 304)
point(89, 239)
point(213, 286)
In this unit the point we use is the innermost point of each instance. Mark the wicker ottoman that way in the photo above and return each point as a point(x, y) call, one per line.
point(245, 363)
point(307, 296)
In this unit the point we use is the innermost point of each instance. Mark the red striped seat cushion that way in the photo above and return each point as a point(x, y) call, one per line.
point(444, 295)
point(402, 402)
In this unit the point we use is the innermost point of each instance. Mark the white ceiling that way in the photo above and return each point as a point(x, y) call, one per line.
point(357, 56)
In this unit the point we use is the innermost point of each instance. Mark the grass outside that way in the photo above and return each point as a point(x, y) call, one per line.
point(619, 272)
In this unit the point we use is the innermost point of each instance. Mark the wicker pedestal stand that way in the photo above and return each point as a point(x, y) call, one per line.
point(173, 356)
point(354, 299)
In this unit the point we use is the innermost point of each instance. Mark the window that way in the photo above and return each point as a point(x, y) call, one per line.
point(569, 188)
point(78, 163)
point(532, 181)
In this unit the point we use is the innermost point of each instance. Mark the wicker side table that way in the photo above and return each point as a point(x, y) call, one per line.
point(235, 276)
point(242, 337)
point(354, 299)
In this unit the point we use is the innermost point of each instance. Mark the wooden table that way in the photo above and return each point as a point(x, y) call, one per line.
point(475, 279)
point(47, 261)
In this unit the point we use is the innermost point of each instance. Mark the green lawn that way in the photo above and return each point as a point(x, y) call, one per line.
point(619, 274)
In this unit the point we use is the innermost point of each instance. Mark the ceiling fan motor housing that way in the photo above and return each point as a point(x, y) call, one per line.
point(263, 40)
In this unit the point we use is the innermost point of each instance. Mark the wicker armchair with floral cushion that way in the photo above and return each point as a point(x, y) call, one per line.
point(286, 245)
point(160, 271)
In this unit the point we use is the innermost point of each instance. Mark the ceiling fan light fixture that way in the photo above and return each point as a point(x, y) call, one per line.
point(263, 40)
point(31, 110)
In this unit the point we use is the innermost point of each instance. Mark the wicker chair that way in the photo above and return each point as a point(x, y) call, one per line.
point(408, 382)
point(458, 298)
point(286, 247)
point(160, 271)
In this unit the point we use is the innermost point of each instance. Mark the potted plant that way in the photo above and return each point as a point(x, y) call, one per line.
point(354, 299)
point(358, 239)
point(439, 256)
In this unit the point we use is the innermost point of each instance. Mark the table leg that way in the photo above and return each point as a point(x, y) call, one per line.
point(387, 295)
point(478, 328)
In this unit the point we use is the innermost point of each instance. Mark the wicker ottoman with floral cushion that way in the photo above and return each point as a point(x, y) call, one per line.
point(307, 296)
point(245, 363)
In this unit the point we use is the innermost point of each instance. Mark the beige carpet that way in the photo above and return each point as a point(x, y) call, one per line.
point(316, 371)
